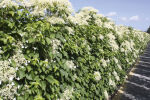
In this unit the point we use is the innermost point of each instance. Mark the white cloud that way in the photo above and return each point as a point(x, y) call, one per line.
point(124, 18)
point(134, 18)
point(111, 14)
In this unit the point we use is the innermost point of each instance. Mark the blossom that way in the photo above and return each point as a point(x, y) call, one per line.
point(11, 78)
point(55, 20)
point(106, 95)
point(101, 37)
point(8, 3)
point(119, 67)
point(112, 83)
point(89, 9)
point(40, 6)
point(70, 30)
point(84, 15)
point(8, 91)
point(70, 64)
point(104, 63)
point(116, 60)
point(97, 75)
point(55, 44)
point(128, 45)
point(109, 25)
point(67, 94)
point(116, 75)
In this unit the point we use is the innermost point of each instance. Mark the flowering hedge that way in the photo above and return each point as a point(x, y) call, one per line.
point(48, 52)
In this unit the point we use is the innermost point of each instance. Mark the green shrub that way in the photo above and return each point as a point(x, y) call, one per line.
point(47, 53)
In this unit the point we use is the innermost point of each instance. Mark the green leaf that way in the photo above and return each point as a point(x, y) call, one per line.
point(21, 73)
point(29, 68)
point(29, 76)
point(43, 85)
point(63, 73)
point(12, 13)
point(31, 40)
point(51, 80)
point(48, 40)
point(13, 63)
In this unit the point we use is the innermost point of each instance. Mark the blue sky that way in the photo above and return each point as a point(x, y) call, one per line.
point(135, 13)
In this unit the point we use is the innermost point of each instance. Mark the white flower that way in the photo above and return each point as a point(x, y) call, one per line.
point(106, 95)
point(1, 51)
point(14, 99)
point(16, 68)
point(55, 20)
point(116, 60)
point(116, 75)
point(97, 75)
point(101, 37)
point(104, 63)
point(111, 82)
point(119, 67)
point(11, 78)
point(122, 50)
point(55, 44)
point(70, 64)
point(12, 83)
point(70, 30)
point(67, 95)
point(8, 3)
point(18, 78)
point(18, 86)
point(89, 9)
point(0, 82)
point(111, 36)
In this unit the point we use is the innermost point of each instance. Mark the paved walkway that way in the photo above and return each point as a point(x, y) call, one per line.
point(137, 86)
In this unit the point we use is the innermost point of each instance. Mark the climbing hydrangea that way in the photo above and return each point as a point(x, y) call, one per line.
point(50, 52)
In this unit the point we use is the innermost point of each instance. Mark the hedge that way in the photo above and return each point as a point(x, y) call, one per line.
point(49, 52)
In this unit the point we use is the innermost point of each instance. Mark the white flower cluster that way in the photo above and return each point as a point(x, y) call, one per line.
point(127, 46)
point(8, 3)
point(67, 95)
point(112, 42)
point(55, 44)
point(119, 66)
point(112, 83)
point(40, 6)
point(8, 91)
point(70, 64)
point(101, 37)
point(70, 30)
point(83, 16)
point(121, 31)
point(106, 95)
point(104, 62)
point(8, 73)
point(116, 75)
point(97, 75)
point(116, 60)
point(98, 20)
point(55, 20)
point(109, 25)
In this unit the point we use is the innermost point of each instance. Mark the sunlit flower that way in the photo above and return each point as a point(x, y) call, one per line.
point(97, 75)
point(67, 94)
point(106, 95)
point(70, 64)
point(116, 75)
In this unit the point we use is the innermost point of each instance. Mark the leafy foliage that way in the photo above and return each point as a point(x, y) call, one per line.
point(82, 60)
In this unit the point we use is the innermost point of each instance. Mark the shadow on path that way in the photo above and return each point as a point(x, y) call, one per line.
point(137, 86)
